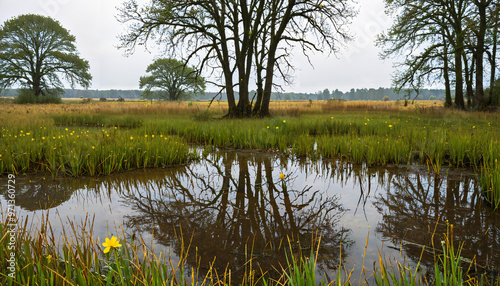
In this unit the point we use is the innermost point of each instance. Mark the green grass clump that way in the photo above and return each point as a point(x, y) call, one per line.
point(27, 96)
point(490, 181)
point(77, 152)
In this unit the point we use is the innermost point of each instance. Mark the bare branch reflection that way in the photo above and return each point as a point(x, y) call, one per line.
point(235, 204)
point(417, 205)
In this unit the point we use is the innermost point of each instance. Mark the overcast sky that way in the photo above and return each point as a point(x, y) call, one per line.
point(94, 24)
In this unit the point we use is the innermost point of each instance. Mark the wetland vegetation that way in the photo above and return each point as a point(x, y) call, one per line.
point(94, 139)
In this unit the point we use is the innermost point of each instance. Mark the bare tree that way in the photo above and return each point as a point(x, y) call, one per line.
point(238, 40)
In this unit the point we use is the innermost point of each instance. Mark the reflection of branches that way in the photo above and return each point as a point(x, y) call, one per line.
point(415, 206)
point(222, 212)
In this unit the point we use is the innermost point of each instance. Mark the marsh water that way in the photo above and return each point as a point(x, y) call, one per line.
point(232, 204)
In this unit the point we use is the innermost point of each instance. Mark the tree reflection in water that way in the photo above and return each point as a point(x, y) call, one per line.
point(237, 201)
point(234, 206)
point(416, 205)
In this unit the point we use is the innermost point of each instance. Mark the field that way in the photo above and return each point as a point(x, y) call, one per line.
point(100, 138)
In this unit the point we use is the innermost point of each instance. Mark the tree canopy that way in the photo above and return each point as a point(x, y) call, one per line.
point(36, 51)
point(170, 79)
point(239, 41)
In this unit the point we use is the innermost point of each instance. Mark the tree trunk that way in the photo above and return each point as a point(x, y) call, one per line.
point(481, 6)
point(493, 99)
point(456, 9)
point(469, 78)
point(266, 96)
point(459, 84)
point(448, 102)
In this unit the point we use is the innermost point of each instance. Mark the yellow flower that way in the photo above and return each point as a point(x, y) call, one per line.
point(131, 138)
point(113, 242)
point(284, 121)
point(277, 127)
point(153, 136)
point(49, 257)
point(390, 126)
point(43, 138)
point(93, 147)
point(267, 127)
point(282, 176)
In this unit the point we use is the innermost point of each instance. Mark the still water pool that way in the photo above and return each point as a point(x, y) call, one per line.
point(233, 203)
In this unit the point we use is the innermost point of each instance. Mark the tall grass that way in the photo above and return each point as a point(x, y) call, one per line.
point(76, 151)
point(490, 181)
point(77, 258)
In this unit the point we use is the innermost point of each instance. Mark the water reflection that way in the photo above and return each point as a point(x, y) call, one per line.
point(416, 206)
point(233, 203)
point(234, 199)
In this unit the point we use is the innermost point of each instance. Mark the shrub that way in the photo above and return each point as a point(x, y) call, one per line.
point(386, 98)
point(26, 96)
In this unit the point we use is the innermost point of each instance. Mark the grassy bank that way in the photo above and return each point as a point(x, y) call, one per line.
point(102, 138)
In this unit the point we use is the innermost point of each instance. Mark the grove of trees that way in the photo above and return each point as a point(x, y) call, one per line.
point(240, 41)
point(35, 52)
point(450, 41)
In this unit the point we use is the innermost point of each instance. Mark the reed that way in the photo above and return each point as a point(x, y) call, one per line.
point(490, 181)
point(76, 257)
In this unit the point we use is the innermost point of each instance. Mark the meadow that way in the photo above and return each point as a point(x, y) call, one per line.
point(100, 138)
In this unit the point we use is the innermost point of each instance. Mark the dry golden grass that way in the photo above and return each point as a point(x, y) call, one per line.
point(15, 113)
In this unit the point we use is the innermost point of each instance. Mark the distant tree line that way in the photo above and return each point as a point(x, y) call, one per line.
point(354, 94)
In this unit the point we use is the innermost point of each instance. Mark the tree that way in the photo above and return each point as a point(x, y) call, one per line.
point(173, 77)
point(442, 38)
point(241, 40)
point(35, 51)
point(429, 34)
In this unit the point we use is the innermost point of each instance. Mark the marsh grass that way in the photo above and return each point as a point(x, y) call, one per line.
point(75, 257)
point(34, 138)
point(98, 151)
point(490, 181)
